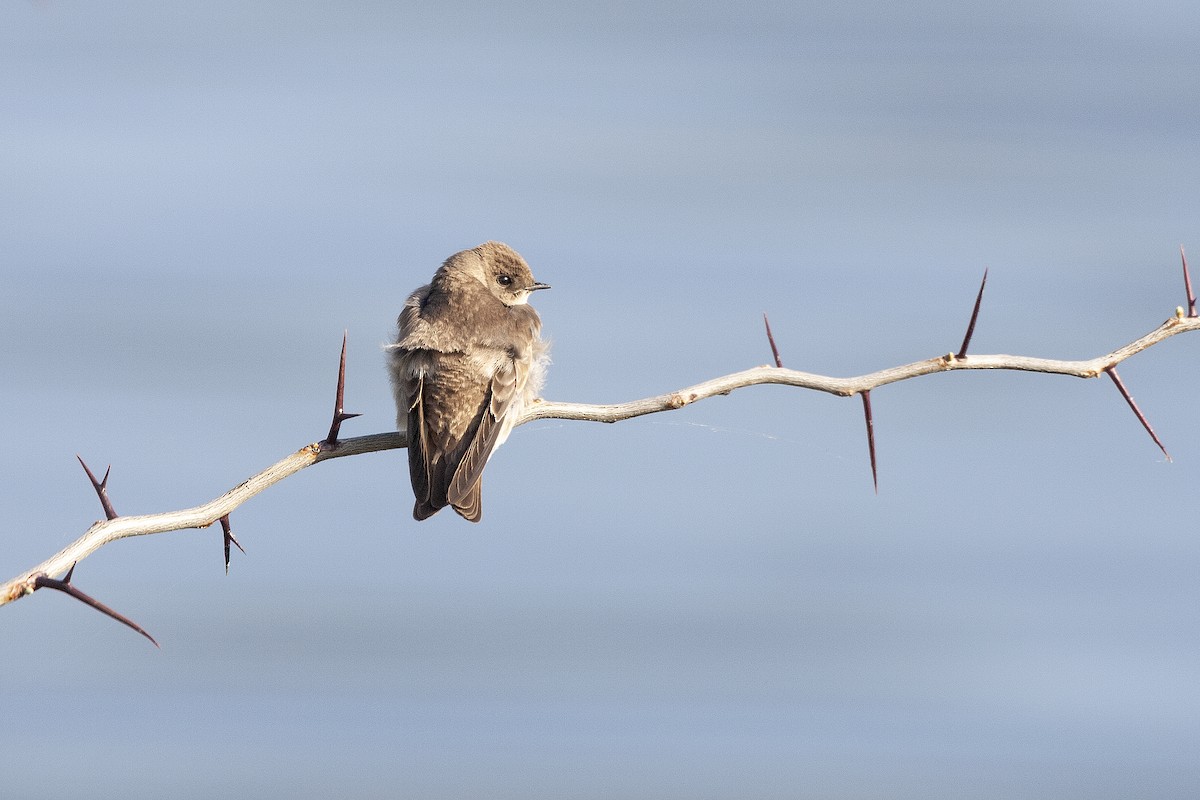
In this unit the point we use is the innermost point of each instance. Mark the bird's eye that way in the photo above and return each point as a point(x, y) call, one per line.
point(504, 280)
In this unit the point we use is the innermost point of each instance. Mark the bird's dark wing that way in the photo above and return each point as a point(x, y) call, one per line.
point(419, 460)
point(500, 403)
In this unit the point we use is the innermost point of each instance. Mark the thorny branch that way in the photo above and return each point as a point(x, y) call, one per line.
point(218, 510)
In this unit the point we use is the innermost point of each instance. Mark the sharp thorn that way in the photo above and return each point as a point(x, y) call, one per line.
point(339, 416)
point(1116, 379)
point(86, 469)
point(962, 351)
point(101, 488)
point(866, 400)
point(65, 586)
point(228, 537)
point(771, 339)
point(1187, 283)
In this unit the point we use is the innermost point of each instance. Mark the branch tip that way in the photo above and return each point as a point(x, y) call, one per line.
point(962, 351)
point(1116, 379)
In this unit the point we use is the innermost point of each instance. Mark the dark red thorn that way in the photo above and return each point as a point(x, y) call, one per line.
point(339, 416)
point(866, 399)
point(771, 339)
point(227, 531)
point(65, 586)
point(1187, 284)
point(101, 488)
point(962, 351)
point(1112, 373)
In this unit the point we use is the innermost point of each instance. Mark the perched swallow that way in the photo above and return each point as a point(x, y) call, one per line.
point(467, 361)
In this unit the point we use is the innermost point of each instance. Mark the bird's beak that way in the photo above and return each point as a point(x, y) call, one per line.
point(533, 287)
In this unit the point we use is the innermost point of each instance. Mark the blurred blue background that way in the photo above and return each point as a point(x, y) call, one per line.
point(197, 199)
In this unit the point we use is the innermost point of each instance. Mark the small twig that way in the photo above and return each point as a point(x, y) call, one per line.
point(771, 339)
point(339, 416)
point(962, 351)
point(227, 535)
point(1187, 284)
point(866, 401)
point(65, 586)
point(1112, 373)
point(101, 488)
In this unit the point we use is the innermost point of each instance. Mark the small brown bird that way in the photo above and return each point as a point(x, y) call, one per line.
point(467, 360)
